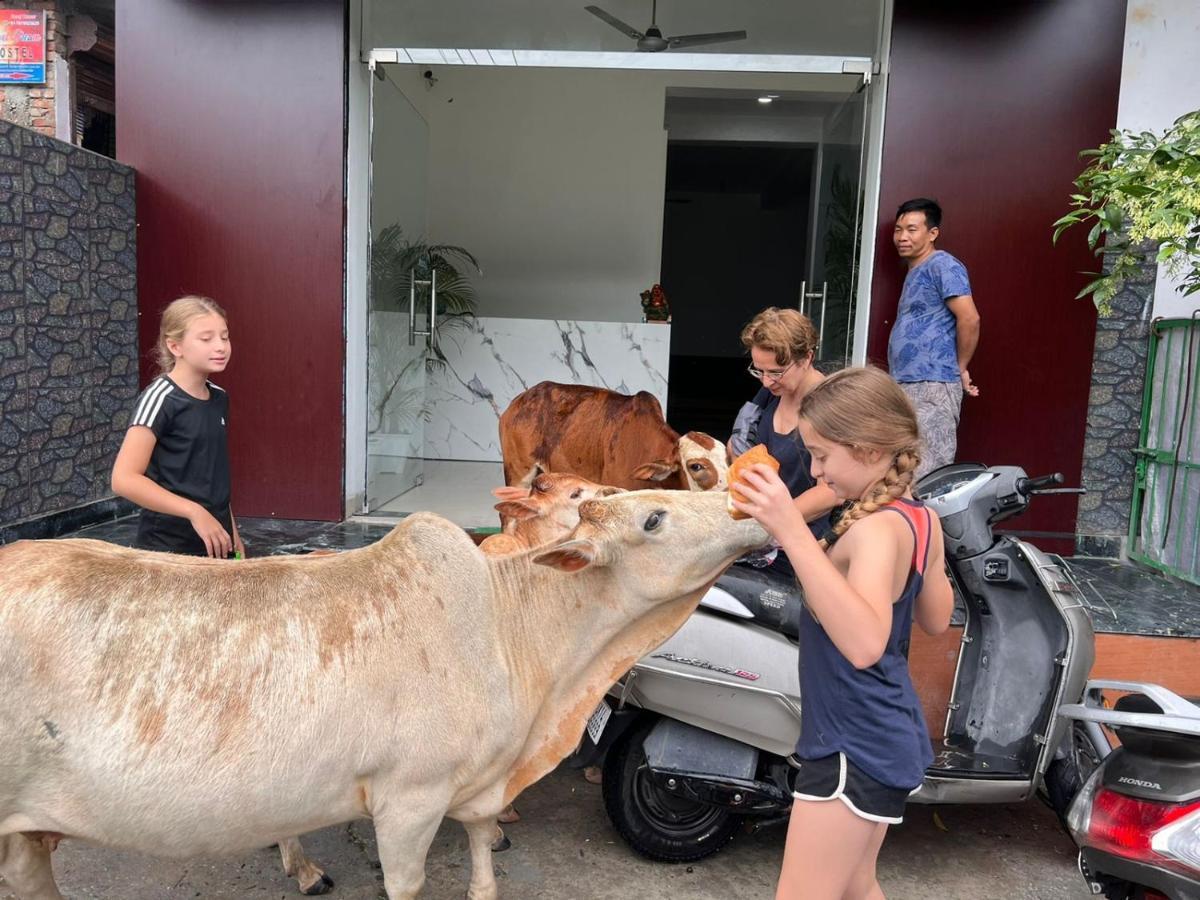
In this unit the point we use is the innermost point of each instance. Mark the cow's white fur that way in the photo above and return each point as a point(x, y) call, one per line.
point(180, 706)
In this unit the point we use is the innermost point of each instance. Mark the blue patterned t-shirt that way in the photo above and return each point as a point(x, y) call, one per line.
point(924, 341)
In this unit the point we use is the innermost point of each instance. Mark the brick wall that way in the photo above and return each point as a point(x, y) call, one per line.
point(33, 105)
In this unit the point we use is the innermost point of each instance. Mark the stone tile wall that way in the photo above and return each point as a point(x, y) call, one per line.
point(68, 322)
point(1115, 417)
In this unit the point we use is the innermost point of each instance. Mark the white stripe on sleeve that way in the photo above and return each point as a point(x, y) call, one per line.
point(151, 402)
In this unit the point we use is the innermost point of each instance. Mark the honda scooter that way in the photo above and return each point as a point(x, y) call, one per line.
point(1137, 818)
point(696, 737)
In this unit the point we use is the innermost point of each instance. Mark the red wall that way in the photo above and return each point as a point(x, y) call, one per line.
point(233, 115)
point(988, 107)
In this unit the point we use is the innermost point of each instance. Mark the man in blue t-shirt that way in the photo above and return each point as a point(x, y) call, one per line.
point(935, 333)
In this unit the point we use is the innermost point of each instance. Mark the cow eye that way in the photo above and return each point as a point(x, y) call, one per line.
point(654, 520)
point(577, 493)
point(696, 467)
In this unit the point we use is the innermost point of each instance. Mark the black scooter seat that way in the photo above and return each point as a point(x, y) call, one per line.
point(775, 599)
point(1140, 703)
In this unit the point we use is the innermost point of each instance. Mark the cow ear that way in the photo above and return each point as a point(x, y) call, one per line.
point(659, 470)
point(608, 491)
point(569, 557)
point(511, 492)
point(518, 509)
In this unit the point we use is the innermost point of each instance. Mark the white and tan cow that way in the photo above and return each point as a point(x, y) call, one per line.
point(609, 438)
point(180, 706)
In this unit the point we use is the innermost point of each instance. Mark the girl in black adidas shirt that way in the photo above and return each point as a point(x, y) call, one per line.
point(174, 462)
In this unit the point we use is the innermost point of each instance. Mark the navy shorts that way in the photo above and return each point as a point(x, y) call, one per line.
point(835, 777)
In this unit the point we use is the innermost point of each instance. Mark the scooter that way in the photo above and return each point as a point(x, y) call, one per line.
point(695, 739)
point(1137, 818)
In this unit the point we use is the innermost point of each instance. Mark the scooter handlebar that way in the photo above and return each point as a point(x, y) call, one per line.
point(1027, 486)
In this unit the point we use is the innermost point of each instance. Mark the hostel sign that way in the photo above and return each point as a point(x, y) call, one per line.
point(22, 46)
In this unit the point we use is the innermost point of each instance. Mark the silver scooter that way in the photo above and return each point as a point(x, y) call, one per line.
point(695, 739)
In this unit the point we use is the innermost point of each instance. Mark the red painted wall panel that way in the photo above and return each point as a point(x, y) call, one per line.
point(988, 107)
point(233, 115)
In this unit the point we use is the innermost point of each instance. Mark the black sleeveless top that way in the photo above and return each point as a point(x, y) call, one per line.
point(872, 715)
point(795, 464)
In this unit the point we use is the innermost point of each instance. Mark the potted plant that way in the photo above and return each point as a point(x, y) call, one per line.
point(1141, 189)
point(397, 395)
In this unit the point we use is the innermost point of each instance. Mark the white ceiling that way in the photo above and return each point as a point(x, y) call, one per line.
point(801, 27)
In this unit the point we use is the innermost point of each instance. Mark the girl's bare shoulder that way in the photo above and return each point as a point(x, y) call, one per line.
point(869, 532)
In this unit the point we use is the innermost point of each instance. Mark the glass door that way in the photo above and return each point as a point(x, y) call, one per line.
point(402, 304)
point(829, 294)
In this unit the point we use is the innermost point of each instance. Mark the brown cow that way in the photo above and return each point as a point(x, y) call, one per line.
point(607, 437)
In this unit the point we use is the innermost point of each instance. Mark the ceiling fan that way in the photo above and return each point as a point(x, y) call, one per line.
point(652, 41)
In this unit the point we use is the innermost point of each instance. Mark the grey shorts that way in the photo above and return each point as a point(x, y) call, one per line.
point(939, 405)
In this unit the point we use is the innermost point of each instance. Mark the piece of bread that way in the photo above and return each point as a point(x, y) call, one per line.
point(756, 454)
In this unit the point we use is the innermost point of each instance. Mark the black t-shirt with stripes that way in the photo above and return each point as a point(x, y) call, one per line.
point(190, 458)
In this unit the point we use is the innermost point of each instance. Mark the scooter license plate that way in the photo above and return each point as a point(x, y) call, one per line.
point(597, 721)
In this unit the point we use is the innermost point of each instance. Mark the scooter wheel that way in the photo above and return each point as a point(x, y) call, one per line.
point(656, 823)
point(1065, 776)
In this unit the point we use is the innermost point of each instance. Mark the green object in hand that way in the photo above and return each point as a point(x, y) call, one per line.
point(237, 554)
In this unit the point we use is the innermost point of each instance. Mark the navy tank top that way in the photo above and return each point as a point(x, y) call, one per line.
point(795, 467)
point(872, 715)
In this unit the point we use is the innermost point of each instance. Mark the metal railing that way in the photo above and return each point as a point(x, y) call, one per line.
point(1164, 523)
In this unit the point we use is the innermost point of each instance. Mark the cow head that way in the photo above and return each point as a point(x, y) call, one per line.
point(701, 458)
point(660, 545)
point(549, 509)
point(705, 462)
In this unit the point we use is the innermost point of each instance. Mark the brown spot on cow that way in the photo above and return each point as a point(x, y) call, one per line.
point(151, 721)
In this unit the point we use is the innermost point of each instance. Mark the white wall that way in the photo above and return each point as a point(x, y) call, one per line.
point(1159, 83)
point(555, 179)
point(400, 152)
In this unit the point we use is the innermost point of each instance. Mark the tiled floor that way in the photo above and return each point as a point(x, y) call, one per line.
point(1131, 599)
point(460, 491)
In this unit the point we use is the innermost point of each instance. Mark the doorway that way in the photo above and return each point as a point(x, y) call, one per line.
point(762, 208)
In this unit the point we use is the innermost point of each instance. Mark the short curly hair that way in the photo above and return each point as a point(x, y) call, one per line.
point(787, 333)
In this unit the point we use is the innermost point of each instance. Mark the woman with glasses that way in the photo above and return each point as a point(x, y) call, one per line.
point(782, 343)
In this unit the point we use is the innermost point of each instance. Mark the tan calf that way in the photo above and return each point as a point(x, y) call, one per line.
point(545, 511)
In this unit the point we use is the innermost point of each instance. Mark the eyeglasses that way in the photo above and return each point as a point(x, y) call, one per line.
point(769, 374)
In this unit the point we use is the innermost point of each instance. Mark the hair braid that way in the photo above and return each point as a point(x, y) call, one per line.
point(887, 489)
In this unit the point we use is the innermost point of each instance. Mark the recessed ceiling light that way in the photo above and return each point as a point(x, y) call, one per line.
point(765, 99)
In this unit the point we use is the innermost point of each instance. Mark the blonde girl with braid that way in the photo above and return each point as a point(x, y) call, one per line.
point(863, 746)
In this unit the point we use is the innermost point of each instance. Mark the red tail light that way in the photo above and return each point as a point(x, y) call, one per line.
point(1125, 826)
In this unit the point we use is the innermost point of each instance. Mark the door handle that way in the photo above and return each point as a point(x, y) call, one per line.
point(805, 308)
point(413, 281)
point(433, 334)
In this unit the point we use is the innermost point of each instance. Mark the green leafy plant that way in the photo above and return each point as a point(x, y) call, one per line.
point(1138, 189)
point(395, 262)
